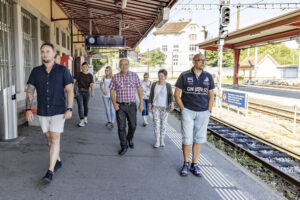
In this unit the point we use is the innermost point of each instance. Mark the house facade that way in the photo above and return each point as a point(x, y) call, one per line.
point(177, 40)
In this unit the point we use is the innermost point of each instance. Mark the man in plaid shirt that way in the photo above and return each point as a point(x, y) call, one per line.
point(123, 87)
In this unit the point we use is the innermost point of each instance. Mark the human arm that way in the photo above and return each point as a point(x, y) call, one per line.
point(140, 93)
point(70, 97)
point(92, 89)
point(177, 95)
point(29, 99)
point(211, 98)
point(112, 97)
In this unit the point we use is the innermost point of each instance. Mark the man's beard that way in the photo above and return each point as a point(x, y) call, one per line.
point(47, 61)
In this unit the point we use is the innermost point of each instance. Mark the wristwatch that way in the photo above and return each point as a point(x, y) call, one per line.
point(70, 109)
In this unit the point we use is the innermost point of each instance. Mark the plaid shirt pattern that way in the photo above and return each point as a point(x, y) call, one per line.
point(125, 87)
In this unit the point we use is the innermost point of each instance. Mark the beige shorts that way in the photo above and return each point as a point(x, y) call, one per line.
point(53, 124)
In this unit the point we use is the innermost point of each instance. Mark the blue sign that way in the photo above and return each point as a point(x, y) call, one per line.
point(234, 98)
point(105, 40)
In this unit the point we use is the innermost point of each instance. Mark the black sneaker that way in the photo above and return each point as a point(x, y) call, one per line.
point(48, 177)
point(195, 170)
point(58, 165)
point(185, 169)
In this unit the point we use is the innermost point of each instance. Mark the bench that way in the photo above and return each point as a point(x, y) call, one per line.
point(36, 121)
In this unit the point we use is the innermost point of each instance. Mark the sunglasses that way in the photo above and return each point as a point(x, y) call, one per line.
point(198, 60)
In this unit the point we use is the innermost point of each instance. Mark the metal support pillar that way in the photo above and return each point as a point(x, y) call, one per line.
point(236, 67)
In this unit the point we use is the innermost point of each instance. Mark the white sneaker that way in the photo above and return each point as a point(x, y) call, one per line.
point(157, 144)
point(81, 123)
point(145, 121)
point(85, 120)
point(162, 142)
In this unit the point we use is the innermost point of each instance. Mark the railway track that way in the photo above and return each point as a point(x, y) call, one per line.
point(273, 111)
point(281, 161)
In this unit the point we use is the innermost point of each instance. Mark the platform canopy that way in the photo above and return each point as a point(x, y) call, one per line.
point(279, 29)
point(137, 16)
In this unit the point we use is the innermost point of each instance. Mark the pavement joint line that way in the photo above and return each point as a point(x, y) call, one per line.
point(213, 175)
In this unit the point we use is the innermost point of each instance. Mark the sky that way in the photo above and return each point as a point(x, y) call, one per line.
point(210, 18)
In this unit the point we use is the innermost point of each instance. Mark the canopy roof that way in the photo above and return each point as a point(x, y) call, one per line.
point(279, 29)
point(138, 16)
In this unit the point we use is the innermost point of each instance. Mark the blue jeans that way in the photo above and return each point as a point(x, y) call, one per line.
point(109, 109)
point(146, 107)
point(194, 126)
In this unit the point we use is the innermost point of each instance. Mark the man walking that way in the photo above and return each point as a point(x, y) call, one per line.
point(123, 88)
point(195, 97)
point(50, 81)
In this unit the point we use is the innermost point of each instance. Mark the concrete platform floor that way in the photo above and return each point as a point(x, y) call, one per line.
point(92, 168)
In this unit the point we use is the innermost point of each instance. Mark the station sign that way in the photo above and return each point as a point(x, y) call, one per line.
point(105, 41)
point(235, 98)
point(99, 57)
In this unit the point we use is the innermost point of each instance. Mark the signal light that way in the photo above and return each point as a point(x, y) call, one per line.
point(225, 15)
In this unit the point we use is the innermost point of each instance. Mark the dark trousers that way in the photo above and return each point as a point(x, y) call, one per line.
point(126, 112)
point(83, 103)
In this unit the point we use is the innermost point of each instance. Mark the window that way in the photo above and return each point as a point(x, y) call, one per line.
point(45, 32)
point(175, 48)
point(175, 59)
point(63, 39)
point(68, 42)
point(193, 48)
point(57, 35)
point(191, 57)
point(193, 37)
point(164, 48)
point(193, 27)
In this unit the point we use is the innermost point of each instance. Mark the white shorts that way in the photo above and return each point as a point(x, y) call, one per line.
point(53, 124)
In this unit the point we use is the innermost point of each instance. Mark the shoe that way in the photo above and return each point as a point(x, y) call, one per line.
point(162, 142)
point(185, 169)
point(85, 120)
point(112, 125)
point(130, 144)
point(81, 123)
point(123, 151)
point(107, 124)
point(58, 165)
point(157, 143)
point(195, 170)
point(145, 123)
point(48, 177)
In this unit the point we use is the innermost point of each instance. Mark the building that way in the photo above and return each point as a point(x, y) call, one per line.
point(289, 71)
point(178, 41)
point(24, 26)
point(266, 68)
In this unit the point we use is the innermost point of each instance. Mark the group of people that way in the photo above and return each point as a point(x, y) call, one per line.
point(193, 94)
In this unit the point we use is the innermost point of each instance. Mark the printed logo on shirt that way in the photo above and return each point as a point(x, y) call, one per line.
point(198, 89)
point(190, 79)
point(206, 81)
point(190, 89)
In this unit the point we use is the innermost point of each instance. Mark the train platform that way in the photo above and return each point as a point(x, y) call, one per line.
point(92, 168)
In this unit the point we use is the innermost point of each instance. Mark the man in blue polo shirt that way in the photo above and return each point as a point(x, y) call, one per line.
point(50, 81)
point(195, 97)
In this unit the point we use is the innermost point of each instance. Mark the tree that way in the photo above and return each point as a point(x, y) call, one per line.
point(98, 64)
point(156, 57)
point(212, 58)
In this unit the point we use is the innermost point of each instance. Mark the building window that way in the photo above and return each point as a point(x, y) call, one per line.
point(175, 59)
point(45, 32)
point(175, 48)
point(191, 57)
point(193, 37)
point(68, 42)
point(57, 35)
point(63, 39)
point(193, 27)
point(164, 48)
point(193, 48)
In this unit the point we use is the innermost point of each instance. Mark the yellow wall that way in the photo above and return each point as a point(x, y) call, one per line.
point(44, 8)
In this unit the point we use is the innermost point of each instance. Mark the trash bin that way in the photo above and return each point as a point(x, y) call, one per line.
point(8, 114)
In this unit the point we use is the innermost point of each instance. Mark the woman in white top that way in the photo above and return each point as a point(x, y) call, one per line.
point(109, 108)
point(161, 100)
point(146, 86)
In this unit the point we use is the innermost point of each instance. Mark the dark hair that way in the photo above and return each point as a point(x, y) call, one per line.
point(163, 71)
point(48, 44)
point(84, 63)
point(146, 74)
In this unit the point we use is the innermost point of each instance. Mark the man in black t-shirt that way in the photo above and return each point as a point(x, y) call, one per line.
point(85, 81)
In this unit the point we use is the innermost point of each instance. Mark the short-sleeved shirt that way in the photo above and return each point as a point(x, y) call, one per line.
point(84, 80)
point(50, 87)
point(195, 89)
point(105, 86)
point(146, 89)
point(125, 86)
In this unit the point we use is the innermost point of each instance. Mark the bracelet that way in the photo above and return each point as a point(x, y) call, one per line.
point(70, 109)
